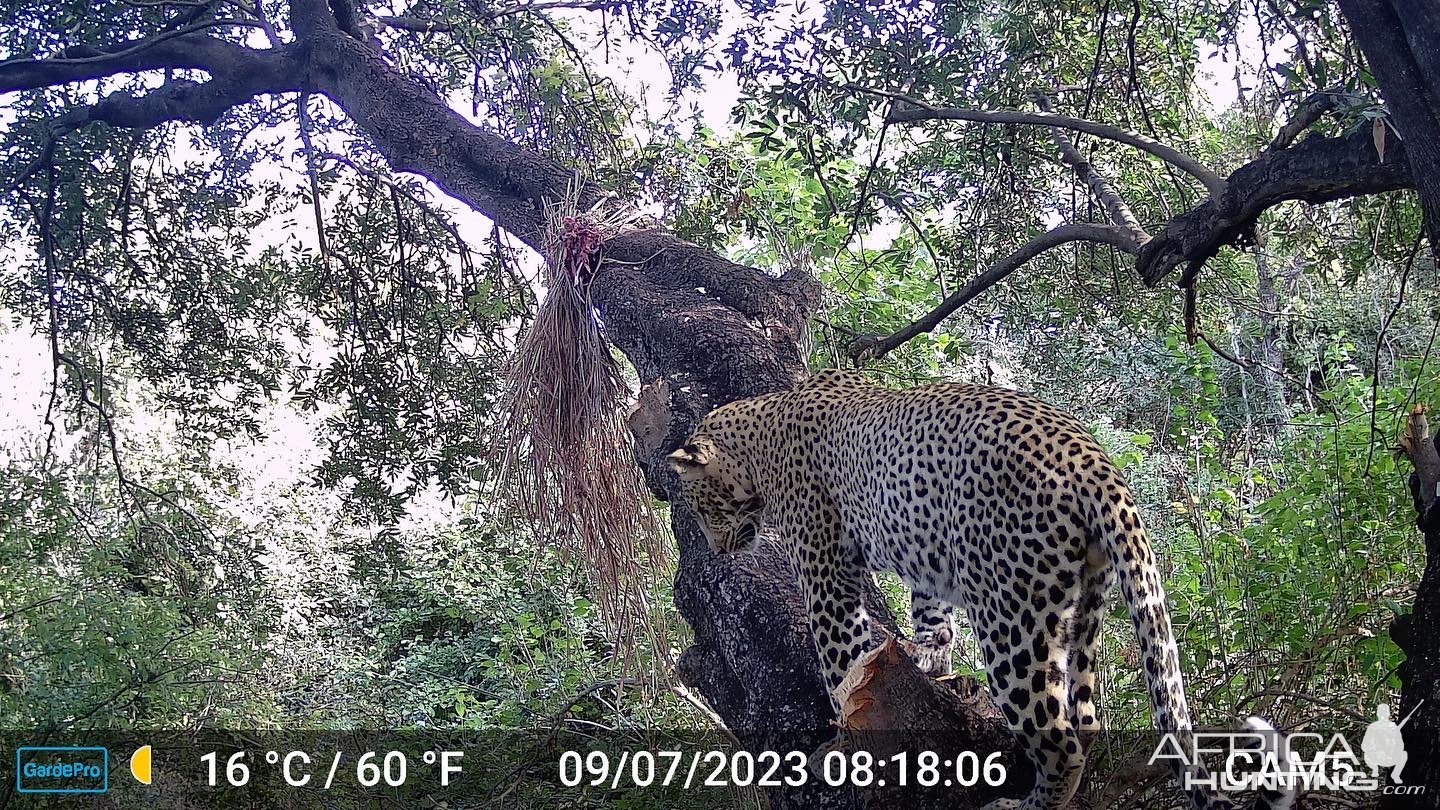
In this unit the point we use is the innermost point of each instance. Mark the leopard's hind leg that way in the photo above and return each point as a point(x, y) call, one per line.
point(1022, 625)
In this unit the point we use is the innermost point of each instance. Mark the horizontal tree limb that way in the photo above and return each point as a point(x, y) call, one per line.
point(913, 110)
point(418, 25)
point(872, 347)
point(194, 102)
point(1318, 169)
point(238, 74)
point(180, 49)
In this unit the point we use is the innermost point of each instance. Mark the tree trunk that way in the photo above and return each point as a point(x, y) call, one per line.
point(1272, 361)
point(1418, 633)
point(715, 331)
point(1401, 43)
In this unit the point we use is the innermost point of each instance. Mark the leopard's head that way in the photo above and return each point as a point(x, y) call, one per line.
point(721, 491)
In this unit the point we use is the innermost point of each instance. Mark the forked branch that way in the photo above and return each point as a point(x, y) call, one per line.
point(1318, 169)
point(1125, 234)
point(1115, 206)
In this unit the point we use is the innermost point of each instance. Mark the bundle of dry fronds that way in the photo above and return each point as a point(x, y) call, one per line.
point(567, 461)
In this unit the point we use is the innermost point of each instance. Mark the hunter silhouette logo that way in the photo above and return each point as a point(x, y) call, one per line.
point(1384, 746)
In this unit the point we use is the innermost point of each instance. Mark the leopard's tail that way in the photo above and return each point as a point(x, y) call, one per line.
point(1128, 550)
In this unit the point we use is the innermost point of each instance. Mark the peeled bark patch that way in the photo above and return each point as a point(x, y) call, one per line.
point(888, 706)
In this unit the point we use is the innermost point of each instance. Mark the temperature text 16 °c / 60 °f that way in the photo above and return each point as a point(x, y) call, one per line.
point(302, 769)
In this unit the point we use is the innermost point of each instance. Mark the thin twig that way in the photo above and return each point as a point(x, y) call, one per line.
point(1224, 354)
point(41, 603)
point(303, 103)
point(1380, 342)
point(704, 708)
point(905, 214)
point(461, 246)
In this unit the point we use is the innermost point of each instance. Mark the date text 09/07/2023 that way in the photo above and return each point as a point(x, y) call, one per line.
point(696, 769)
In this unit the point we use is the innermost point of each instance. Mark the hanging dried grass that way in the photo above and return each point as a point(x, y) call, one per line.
point(567, 462)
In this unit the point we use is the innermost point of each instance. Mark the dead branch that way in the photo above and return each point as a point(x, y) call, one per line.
point(887, 705)
point(1418, 445)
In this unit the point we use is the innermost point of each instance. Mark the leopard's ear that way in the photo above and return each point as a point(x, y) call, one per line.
point(689, 461)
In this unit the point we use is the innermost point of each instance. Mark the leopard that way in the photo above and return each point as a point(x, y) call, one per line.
point(982, 499)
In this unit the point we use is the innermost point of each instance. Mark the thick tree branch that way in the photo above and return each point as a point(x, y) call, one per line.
point(1398, 38)
point(914, 110)
point(1318, 169)
point(195, 102)
point(418, 132)
point(873, 347)
point(174, 50)
point(239, 75)
point(716, 330)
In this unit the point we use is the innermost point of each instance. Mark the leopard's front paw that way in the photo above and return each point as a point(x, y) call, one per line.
point(930, 650)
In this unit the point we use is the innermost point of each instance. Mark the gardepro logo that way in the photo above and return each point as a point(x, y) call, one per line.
point(62, 769)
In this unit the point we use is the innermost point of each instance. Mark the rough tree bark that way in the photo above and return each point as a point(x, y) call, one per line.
point(1401, 43)
point(714, 330)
